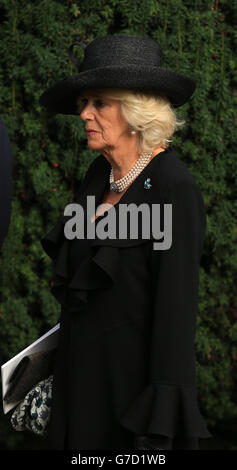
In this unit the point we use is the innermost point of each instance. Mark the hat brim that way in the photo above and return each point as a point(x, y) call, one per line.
point(61, 98)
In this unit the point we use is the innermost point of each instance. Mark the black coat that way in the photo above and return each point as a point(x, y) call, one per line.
point(6, 169)
point(125, 362)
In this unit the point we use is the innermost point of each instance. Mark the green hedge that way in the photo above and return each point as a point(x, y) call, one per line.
point(198, 38)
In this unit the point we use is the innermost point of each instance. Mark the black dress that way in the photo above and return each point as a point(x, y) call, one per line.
point(125, 363)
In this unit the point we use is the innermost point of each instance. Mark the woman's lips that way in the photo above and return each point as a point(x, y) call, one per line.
point(91, 132)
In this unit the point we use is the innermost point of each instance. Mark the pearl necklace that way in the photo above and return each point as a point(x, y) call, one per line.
point(123, 182)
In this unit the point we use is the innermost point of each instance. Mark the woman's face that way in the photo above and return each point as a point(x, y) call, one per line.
point(104, 116)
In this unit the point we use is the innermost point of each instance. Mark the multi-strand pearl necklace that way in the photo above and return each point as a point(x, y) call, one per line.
point(122, 183)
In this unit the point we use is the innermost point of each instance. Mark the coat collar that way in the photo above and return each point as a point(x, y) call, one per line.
point(100, 267)
point(136, 193)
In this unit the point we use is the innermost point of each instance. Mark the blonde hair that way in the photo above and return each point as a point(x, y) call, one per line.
point(150, 114)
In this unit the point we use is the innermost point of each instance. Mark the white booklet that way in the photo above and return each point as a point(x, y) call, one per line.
point(46, 342)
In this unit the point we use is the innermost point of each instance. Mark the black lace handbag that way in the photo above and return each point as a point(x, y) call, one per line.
point(31, 383)
point(33, 413)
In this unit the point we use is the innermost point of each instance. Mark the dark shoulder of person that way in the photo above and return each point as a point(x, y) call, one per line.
point(173, 172)
point(173, 169)
point(6, 169)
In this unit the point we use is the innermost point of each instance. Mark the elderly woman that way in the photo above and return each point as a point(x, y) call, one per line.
point(124, 374)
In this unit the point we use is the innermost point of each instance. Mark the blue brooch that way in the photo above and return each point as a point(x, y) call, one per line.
point(147, 183)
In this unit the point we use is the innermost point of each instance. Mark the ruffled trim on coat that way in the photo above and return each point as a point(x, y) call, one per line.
point(161, 408)
point(97, 270)
point(169, 410)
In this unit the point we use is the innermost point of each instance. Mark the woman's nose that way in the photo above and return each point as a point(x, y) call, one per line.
point(87, 112)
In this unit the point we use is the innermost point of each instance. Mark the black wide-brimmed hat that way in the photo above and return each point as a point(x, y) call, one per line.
point(131, 62)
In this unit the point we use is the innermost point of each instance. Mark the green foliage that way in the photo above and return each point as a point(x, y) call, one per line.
point(51, 157)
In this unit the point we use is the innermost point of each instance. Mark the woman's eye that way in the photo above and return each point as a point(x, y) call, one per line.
point(83, 102)
point(99, 103)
